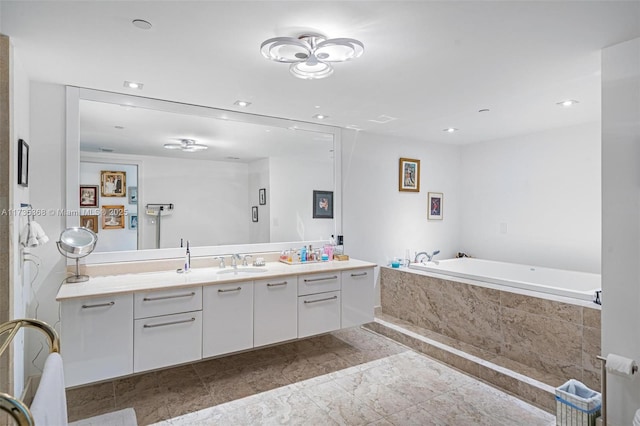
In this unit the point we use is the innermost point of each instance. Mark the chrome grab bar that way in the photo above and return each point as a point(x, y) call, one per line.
point(151, 299)
point(229, 289)
point(169, 323)
point(321, 300)
point(359, 275)
point(334, 277)
point(276, 284)
point(99, 305)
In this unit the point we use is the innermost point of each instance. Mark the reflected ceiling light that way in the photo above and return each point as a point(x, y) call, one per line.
point(320, 116)
point(450, 130)
point(186, 145)
point(242, 103)
point(567, 103)
point(133, 85)
point(310, 55)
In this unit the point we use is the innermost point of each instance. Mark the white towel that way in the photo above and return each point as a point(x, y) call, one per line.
point(49, 405)
point(39, 232)
point(636, 419)
point(33, 235)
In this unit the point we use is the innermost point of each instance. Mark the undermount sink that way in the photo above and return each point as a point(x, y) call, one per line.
point(243, 270)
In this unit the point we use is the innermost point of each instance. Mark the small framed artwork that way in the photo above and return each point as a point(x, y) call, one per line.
point(323, 204)
point(88, 195)
point(434, 200)
point(262, 196)
point(23, 163)
point(113, 217)
point(254, 213)
point(133, 194)
point(133, 221)
point(113, 184)
point(89, 222)
point(409, 175)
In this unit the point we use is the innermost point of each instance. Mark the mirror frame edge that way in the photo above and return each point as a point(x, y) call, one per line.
point(73, 97)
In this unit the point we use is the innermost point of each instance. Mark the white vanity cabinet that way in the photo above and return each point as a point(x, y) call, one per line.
point(227, 320)
point(96, 338)
point(357, 297)
point(275, 310)
point(318, 303)
point(167, 328)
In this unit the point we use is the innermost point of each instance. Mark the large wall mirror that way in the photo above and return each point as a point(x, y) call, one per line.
point(254, 188)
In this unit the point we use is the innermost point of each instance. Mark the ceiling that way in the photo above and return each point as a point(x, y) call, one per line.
point(429, 65)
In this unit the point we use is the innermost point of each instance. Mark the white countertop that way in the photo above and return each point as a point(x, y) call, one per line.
point(130, 283)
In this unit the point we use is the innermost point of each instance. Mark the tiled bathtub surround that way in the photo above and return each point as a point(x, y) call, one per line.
point(560, 340)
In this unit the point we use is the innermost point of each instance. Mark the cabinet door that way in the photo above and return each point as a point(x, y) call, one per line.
point(318, 313)
point(227, 318)
point(96, 338)
point(357, 297)
point(167, 340)
point(275, 310)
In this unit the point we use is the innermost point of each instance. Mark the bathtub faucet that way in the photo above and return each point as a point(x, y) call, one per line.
point(427, 255)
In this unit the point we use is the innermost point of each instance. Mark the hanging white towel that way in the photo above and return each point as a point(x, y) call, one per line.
point(39, 232)
point(33, 235)
point(49, 405)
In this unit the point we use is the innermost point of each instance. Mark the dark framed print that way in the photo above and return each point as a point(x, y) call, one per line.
point(23, 163)
point(113, 184)
point(434, 211)
point(88, 195)
point(323, 204)
point(113, 217)
point(262, 196)
point(89, 222)
point(254, 213)
point(409, 175)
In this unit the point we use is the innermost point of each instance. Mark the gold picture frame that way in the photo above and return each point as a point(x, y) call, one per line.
point(409, 178)
point(113, 183)
point(89, 222)
point(113, 217)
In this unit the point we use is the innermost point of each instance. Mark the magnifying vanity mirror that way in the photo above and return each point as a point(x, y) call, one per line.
point(252, 187)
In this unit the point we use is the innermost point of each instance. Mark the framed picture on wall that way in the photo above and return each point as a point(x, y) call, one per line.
point(409, 179)
point(23, 163)
point(89, 222)
point(133, 194)
point(113, 184)
point(262, 196)
point(113, 217)
point(434, 205)
point(254, 213)
point(133, 221)
point(88, 195)
point(323, 204)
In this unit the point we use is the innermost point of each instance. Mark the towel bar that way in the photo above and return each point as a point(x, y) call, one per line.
point(11, 405)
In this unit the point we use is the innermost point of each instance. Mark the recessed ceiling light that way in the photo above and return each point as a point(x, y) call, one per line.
point(242, 103)
point(232, 158)
point(320, 116)
point(142, 24)
point(186, 145)
point(450, 130)
point(119, 127)
point(317, 106)
point(567, 103)
point(383, 119)
point(484, 110)
point(133, 85)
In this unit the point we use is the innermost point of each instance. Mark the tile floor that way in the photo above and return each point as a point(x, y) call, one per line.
point(350, 377)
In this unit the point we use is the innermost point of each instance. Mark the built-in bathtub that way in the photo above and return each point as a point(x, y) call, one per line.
point(573, 284)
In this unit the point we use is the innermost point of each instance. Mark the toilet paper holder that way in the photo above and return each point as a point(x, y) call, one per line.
point(603, 381)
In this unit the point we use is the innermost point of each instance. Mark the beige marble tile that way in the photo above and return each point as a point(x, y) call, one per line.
point(414, 416)
point(591, 317)
point(340, 405)
point(535, 305)
point(591, 341)
point(89, 401)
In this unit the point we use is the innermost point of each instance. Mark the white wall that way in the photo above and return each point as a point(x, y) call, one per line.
point(112, 239)
point(534, 199)
point(292, 183)
point(621, 220)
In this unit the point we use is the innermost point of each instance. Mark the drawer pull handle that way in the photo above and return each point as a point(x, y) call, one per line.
point(99, 305)
point(151, 299)
point(311, 280)
point(362, 274)
point(276, 284)
point(321, 300)
point(229, 289)
point(168, 323)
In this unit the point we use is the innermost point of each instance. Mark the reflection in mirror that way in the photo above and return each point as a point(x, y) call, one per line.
point(213, 192)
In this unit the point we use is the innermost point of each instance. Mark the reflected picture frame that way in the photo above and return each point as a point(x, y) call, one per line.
point(133, 194)
point(88, 195)
point(23, 163)
point(133, 221)
point(262, 196)
point(434, 205)
point(322, 204)
point(254, 213)
point(113, 183)
point(409, 175)
point(113, 217)
point(89, 222)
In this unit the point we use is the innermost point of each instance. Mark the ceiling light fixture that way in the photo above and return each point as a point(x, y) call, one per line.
point(186, 145)
point(141, 24)
point(450, 130)
point(567, 103)
point(133, 85)
point(320, 116)
point(242, 103)
point(310, 55)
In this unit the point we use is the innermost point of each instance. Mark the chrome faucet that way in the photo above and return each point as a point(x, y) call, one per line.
point(427, 255)
point(244, 260)
point(234, 258)
point(222, 265)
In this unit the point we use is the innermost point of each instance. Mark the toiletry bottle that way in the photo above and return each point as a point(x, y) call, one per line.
point(303, 254)
point(187, 259)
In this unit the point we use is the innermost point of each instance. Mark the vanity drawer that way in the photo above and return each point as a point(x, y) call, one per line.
point(318, 313)
point(166, 302)
point(318, 283)
point(167, 340)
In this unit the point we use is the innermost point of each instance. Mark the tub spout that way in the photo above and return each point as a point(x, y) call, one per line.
point(429, 257)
